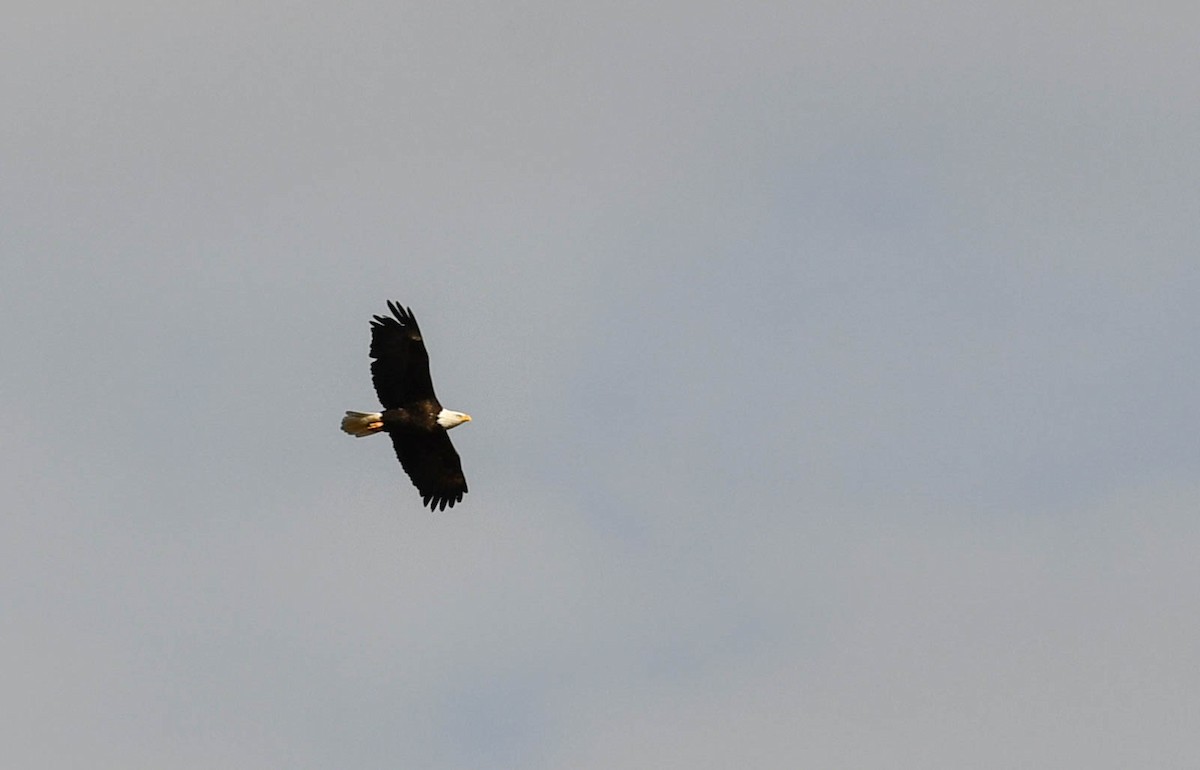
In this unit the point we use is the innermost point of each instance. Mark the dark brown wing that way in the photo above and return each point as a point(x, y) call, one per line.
point(430, 461)
point(401, 366)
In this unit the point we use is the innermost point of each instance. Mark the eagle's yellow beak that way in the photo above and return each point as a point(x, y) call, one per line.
point(466, 418)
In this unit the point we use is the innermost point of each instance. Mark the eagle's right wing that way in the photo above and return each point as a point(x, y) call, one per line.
point(400, 370)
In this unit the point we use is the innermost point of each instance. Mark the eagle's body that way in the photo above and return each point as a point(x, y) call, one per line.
point(412, 415)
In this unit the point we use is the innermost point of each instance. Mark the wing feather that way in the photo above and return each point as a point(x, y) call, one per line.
point(431, 462)
point(400, 370)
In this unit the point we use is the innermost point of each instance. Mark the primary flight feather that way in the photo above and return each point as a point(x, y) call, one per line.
point(411, 413)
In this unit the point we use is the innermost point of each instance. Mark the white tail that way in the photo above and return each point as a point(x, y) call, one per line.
point(359, 424)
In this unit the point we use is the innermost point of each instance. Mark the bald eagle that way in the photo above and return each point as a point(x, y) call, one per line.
point(411, 413)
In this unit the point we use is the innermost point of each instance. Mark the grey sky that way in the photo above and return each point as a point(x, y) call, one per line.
point(833, 372)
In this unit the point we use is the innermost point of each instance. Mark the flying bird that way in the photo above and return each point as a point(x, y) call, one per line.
point(411, 413)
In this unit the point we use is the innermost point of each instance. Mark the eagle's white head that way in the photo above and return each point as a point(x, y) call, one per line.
point(448, 419)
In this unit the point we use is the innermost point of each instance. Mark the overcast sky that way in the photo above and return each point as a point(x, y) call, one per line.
point(833, 369)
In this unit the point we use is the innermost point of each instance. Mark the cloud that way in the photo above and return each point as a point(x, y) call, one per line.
point(830, 371)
